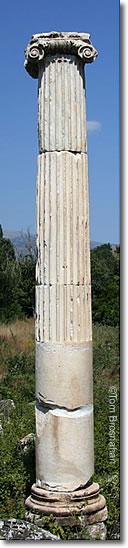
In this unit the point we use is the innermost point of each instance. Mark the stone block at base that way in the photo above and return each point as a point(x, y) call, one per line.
point(96, 531)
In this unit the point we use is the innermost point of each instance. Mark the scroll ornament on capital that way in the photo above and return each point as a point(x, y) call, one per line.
point(52, 43)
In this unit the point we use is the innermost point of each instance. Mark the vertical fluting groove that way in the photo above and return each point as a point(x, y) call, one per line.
point(62, 308)
point(84, 114)
point(86, 143)
point(79, 233)
point(39, 227)
point(47, 104)
point(82, 107)
point(82, 226)
point(46, 239)
point(43, 144)
point(81, 110)
point(73, 110)
point(82, 102)
point(69, 87)
point(43, 106)
point(37, 223)
point(61, 224)
point(75, 314)
point(41, 218)
point(57, 220)
point(63, 104)
point(83, 256)
point(74, 224)
point(61, 107)
point(50, 90)
point(53, 101)
point(56, 246)
point(68, 312)
point(71, 222)
point(85, 220)
point(76, 99)
point(71, 310)
point(38, 312)
point(36, 320)
point(58, 311)
point(75, 104)
point(54, 65)
point(66, 118)
point(44, 242)
point(41, 312)
point(53, 273)
point(37, 315)
point(65, 314)
point(58, 106)
point(81, 312)
point(49, 326)
point(49, 235)
point(88, 232)
point(59, 115)
point(46, 294)
point(41, 110)
point(88, 236)
point(78, 106)
point(78, 187)
point(68, 230)
point(65, 218)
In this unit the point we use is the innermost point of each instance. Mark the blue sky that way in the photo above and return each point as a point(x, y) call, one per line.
point(18, 128)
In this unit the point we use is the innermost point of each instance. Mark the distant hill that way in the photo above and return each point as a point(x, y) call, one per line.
point(19, 240)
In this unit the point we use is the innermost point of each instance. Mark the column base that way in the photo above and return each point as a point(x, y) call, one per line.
point(69, 504)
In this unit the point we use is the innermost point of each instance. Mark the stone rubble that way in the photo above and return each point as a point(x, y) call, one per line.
point(16, 529)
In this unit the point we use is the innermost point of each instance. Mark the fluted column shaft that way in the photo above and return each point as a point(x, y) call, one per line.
point(64, 415)
point(61, 101)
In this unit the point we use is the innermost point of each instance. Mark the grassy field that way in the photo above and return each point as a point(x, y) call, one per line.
point(18, 383)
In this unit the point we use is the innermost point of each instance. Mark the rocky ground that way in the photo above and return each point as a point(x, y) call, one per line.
point(16, 529)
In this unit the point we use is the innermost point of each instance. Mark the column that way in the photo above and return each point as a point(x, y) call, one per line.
point(64, 382)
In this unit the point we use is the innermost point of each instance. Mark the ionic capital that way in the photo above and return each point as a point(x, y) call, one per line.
point(52, 43)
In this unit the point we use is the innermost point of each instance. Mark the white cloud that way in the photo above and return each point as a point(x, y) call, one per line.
point(93, 125)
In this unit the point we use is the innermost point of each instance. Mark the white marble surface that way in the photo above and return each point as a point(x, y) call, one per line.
point(65, 447)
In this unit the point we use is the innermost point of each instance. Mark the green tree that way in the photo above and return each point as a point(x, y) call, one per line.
point(17, 280)
point(26, 285)
point(9, 305)
point(105, 284)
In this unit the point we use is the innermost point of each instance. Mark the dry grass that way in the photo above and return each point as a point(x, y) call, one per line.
point(15, 338)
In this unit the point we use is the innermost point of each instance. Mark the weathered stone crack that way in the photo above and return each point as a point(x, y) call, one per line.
point(49, 406)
